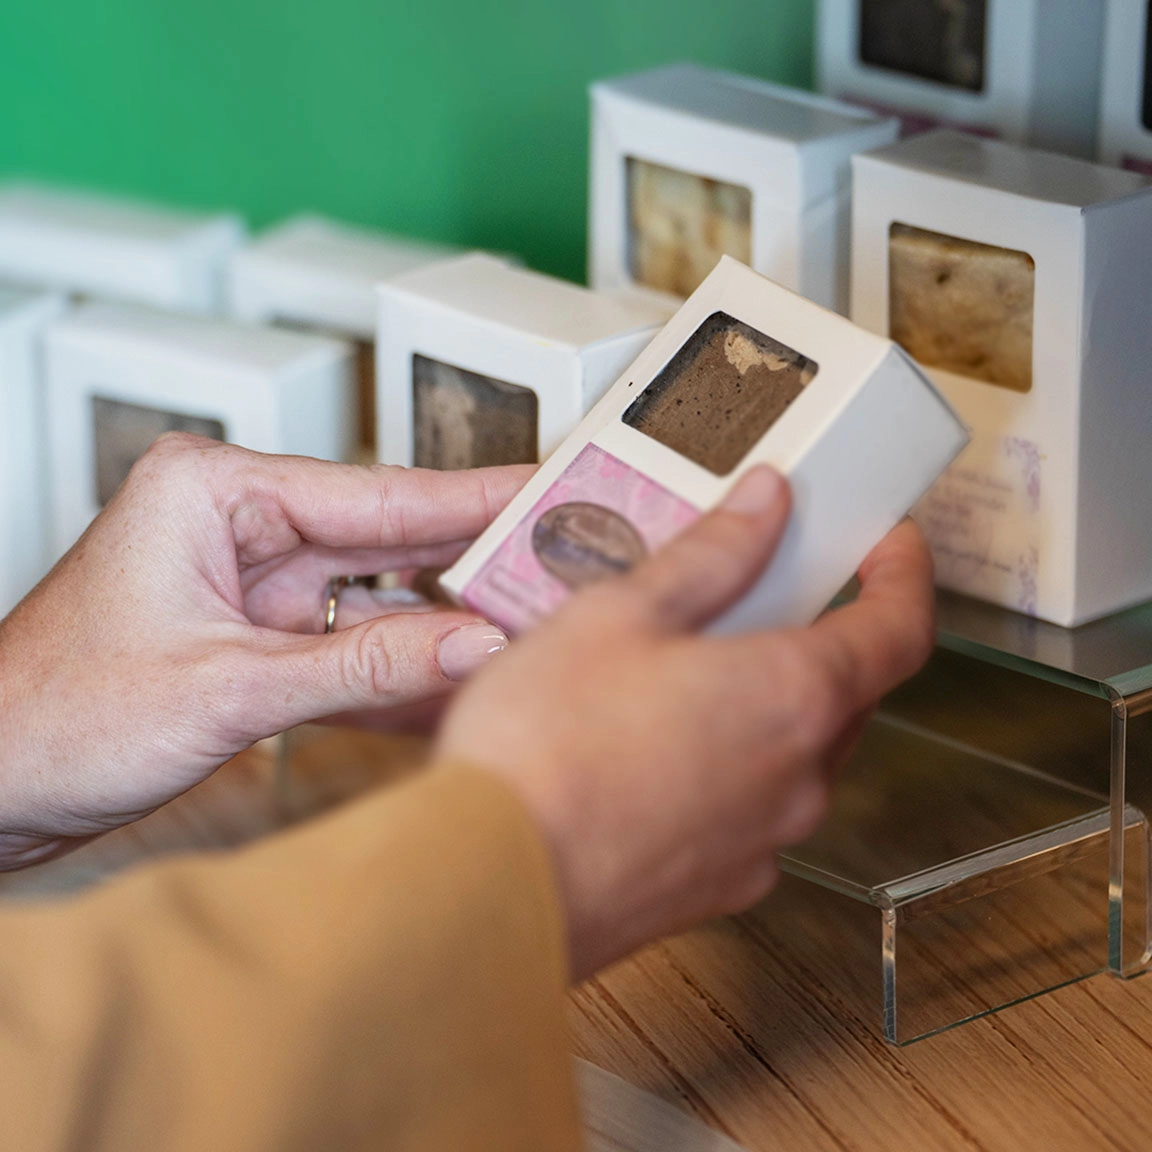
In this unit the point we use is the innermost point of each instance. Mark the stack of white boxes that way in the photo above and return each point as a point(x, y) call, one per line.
point(690, 164)
point(1020, 279)
point(118, 376)
point(1024, 70)
point(320, 275)
point(483, 363)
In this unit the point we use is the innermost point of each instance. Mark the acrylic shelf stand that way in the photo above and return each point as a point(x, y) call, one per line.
point(1081, 712)
point(955, 883)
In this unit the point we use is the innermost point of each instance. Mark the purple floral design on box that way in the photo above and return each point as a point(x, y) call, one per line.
point(1027, 455)
point(1027, 571)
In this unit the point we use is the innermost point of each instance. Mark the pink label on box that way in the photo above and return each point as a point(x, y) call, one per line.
point(598, 518)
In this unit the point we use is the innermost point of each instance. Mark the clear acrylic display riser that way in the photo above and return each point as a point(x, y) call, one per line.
point(1075, 704)
point(954, 882)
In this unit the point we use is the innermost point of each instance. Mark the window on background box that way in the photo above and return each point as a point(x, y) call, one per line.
point(680, 224)
point(462, 419)
point(122, 433)
point(1146, 110)
point(720, 393)
point(962, 306)
point(941, 40)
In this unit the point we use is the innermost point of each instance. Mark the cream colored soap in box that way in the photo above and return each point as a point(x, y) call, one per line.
point(1023, 70)
point(24, 314)
point(317, 274)
point(745, 372)
point(1020, 281)
point(115, 249)
point(118, 377)
point(1125, 136)
point(690, 164)
point(483, 363)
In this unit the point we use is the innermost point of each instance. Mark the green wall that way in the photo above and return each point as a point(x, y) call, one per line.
point(461, 121)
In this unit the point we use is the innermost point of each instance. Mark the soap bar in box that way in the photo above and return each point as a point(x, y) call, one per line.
point(745, 372)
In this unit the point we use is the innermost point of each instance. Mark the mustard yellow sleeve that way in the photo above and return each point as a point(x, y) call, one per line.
point(390, 977)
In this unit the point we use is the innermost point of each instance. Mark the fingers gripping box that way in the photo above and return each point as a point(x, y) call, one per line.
point(690, 164)
point(1020, 280)
point(1025, 70)
point(118, 377)
point(115, 249)
point(317, 274)
point(745, 372)
point(482, 363)
point(1126, 86)
point(23, 441)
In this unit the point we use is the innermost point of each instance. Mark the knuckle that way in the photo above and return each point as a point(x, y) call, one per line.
point(367, 668)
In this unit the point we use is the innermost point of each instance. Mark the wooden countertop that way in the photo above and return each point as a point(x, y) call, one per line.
point(751, 1024)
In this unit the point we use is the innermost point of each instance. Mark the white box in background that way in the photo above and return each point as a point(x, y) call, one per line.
point(120, 376)
point(745, 372)
point(318, 274)
point(1021, 281)
point(23, 441)
point(1126, 86)
point(115, 249)
point(689, 165)
point(482, 363)
point(1024, 70)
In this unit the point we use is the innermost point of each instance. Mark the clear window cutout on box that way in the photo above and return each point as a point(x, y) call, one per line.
point(962, 306)
point(463, 419)
point(122, 433)
point(720, 393)
point(680, 224)
point(939, 40)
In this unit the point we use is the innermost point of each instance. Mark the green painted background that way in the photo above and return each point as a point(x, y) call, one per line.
point(460, 121)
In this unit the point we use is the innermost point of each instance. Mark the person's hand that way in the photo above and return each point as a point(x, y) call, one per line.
point(665, 768)
point(186, 624)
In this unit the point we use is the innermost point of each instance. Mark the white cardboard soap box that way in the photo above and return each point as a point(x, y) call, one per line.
point(24, 314)
point(789, 148)
point(1040, 81)
point(1126, 87)
point(311, 270)
point(1049, 510)
point(118, 375)
point(115, 249)
point(511, 325)
point(860, 442)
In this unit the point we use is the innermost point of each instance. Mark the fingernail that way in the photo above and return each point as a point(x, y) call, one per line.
point(755, 492)
point(464, 651)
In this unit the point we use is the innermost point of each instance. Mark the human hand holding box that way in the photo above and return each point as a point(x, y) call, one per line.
point(746, 372)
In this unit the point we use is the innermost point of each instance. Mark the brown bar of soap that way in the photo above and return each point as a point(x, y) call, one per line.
point(720, 393)
point(962, 306)
point(122, 433)
point(681, 224)
point(462, 419)
point(941, 40)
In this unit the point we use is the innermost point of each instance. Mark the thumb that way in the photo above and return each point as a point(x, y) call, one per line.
point(381, 663)
point(711, 564)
